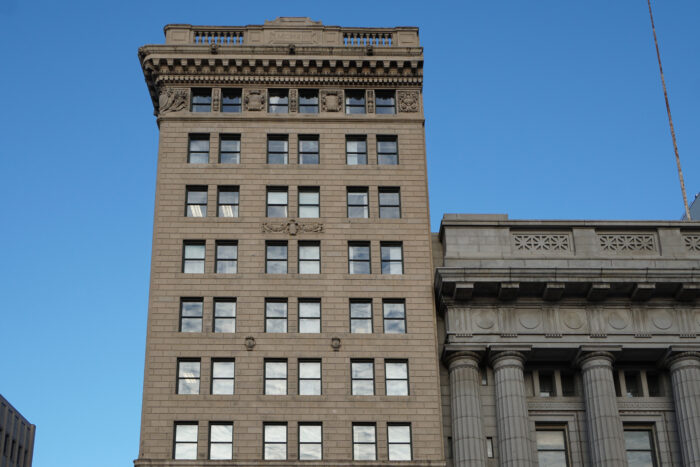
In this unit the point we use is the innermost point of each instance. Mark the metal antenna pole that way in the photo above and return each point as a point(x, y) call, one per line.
point(670, 120)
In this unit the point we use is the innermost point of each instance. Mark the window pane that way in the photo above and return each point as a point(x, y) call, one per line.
point(191, 325)
point(363, 370)
point(550, 440)
point(221, 451)
point(277, 267)
point(276, 309)
point(358, 211)
point(310, 433)
point(394, 326)
point(277, 197)
point(364, 452)
point(194, 251)
point(222, 387)
point(224, 325)
point(308, 197)
point(359, 252)
point(359, 268)
point(227, 251)
point(276, 325)
point(275, 451)
point(394, 310)
point(310, 326)
point(361, 326)
point(357, 159)
point(384, 147)
point(277, 145)
point(400, 452)
point(396, 388)
point(199, 145)
point(186, 451)
point(396, 370)
point(223, 369)
point(194, 267)
point(275, 434)
point(308, 211)
point(391, 253)
point(309, 252)
point(222, 433)
point(225, 309)
point(229, 145)
point(228, 197)
point(309, 387)
point(362, 388)
point(392, 268)
point(277, 211)
point(363, 434)
point(308, 145)
point(276, 387)
point(186, 433)
point(309, 370)
point(357, 198)
point(310, 452)
point(192, 309)
point(356, 146)
point(637, 439)
point(277, 251)
point(309, 309)
point(361, 309)
point(553, 459)
point(275, 369)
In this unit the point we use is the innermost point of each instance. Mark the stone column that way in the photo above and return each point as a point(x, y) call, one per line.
point(685, 378)
point(605, 433)
point(514, 442)
point(468, 444)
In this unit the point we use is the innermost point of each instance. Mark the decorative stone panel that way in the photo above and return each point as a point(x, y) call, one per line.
point(545, 241)
point(292, 227)
point(293, 100)
point(173, 100)
point(370, 101)
point(332, 100)
point(215, 99)
point(408, 101)
point(635, 243)
point(692, 242)
point(255, 100)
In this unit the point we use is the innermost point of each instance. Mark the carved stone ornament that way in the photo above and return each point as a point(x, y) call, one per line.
point(628, 243)
point(250, 343)
point(335, 343)
point(293, 100)
point(331, 100)
point(408, 101)
point(692, 242)
point(173, 99)
point(255, 100)
point(370, 101)
point(534, 242)
point(292, 227)
point(215, 99)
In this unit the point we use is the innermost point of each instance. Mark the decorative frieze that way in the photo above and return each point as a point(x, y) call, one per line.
point(644, 243)
point(692, 242)
point(173, 100)
point(255, 100)
point(536, 242)
point(331, 100)
point(292, 227)
point(408, 101)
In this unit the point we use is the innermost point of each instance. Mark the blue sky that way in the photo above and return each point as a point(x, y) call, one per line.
point(546, 109)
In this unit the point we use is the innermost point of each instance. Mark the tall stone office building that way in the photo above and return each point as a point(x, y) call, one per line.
point(291, 315)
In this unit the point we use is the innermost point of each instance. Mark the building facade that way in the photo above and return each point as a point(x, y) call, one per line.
point(291, 315)
point(16, 437)
point(569, 342)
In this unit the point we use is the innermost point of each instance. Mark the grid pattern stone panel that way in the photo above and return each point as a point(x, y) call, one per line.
point(537, 242)
point(644, 243)
point(692, 242)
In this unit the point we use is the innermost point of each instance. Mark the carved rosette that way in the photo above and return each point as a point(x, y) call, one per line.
point(331, 100)
point(293, 100)
point(370, 101)
point(255, 100)
point(408, 101)
point(292, 227)
point(173, 100)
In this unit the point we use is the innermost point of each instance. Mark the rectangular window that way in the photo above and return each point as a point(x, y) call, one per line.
point(489, 448)
point(198, 152)
point(191, 314)
point(552, 447)
point(277, 202)
point(385, 102)
point(654, 384)
point(389, 203)
point(276, 257)
point(230, 149)
point(359, 258)
point(279, 101)
point(361, 316)
point(276, 377)
point(309, 377)
point(193, 257)
point(309, 316)
point(355, 101)
point(546, 380)
point(226, 257)
point(356, 150)
point(222, 376)
point(309, 202)
point(185, 440)
point(394, 316)
point(275, 315)
point(310, 441)
point(275, 441)
point(358, 202)
point(277, 149)
point(387, 150)
point(308, 101)
point(196, 201)
point(396, 377)
point(633, 383)
point(201, 100)
point(399, 440)
point(568, 384)
point(309, 257)
point(362, 377)
point(220, 441)
point(392, 258)
point(228, 197)
point(364, 441)
point(639, 445)
point(188, 376)
point(308, 149)
point(225, 315)
point(230, 100)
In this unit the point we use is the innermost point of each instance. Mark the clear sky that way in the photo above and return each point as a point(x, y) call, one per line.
point(538, 109)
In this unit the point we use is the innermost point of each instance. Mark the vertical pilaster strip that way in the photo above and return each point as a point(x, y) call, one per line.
point(605, 433)
point(514, 442)
point(685, 378)
point(468, 444)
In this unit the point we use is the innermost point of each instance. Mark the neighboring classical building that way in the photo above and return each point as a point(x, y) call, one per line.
point(291, 314)
point(16, 437)
point(569, 342)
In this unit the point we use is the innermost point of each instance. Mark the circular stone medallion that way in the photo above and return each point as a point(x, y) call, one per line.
point(485, 319)
point(529, 319)
point(573, 320)
point(662, 319)
point(618, 319)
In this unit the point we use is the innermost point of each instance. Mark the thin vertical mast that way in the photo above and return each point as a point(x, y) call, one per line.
point(670, 120)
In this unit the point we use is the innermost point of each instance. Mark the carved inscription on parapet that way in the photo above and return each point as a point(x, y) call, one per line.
point(173, 99)
point(628, 243)
point(331, 100)
point(408, 101)
point(255, 100)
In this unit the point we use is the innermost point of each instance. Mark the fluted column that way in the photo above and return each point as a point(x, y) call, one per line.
point(514, 443)
point(605, 434)
point(685, 378)
point(468, 445)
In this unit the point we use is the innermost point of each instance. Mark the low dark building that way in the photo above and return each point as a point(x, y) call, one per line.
point(16, 437)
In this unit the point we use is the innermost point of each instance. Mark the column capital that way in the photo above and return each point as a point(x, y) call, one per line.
point(463, 359)
point(675, 361)
point(503, 358)
point(587, 360)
